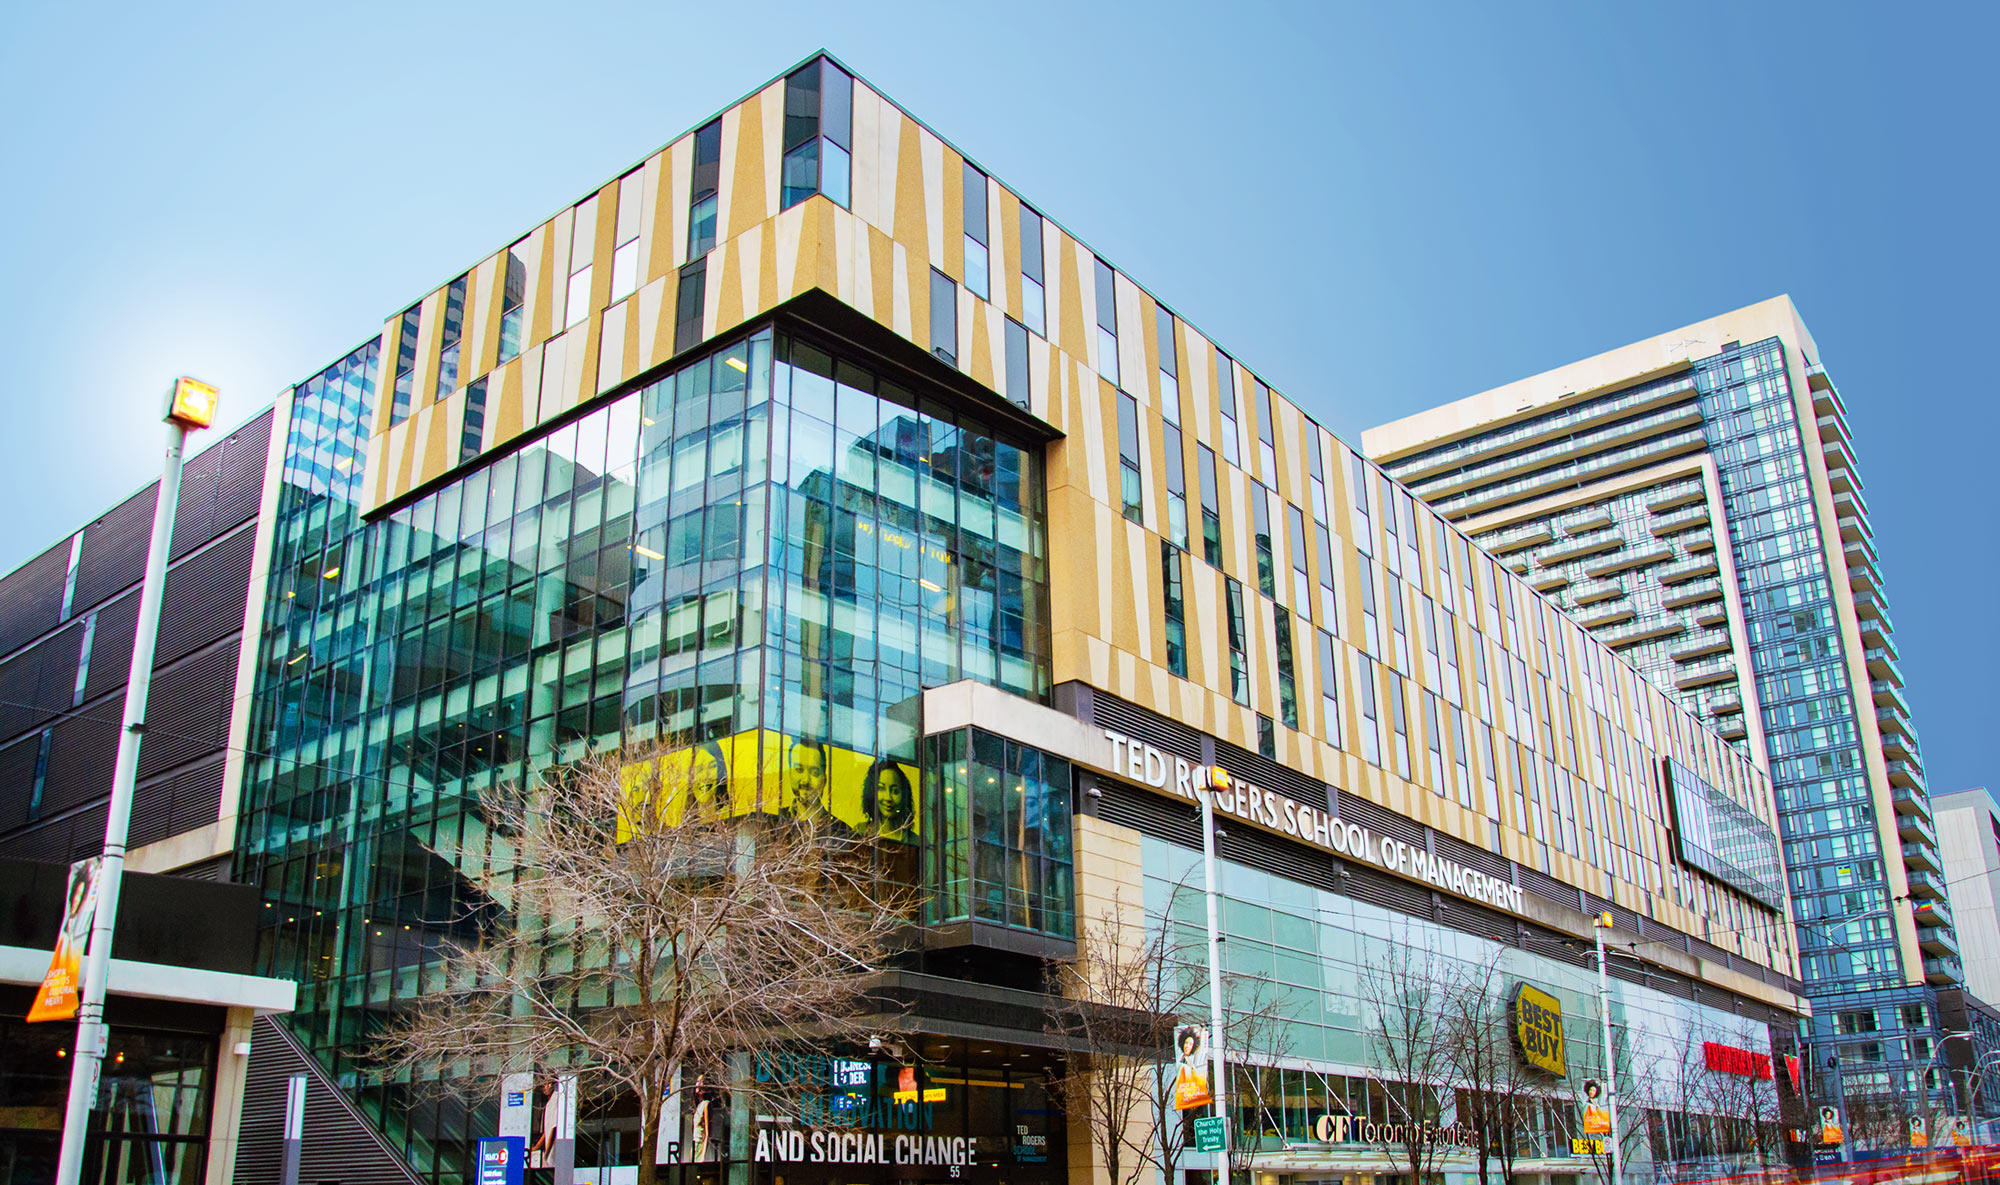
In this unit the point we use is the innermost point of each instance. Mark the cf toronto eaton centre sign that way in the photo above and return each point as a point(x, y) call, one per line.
point(1142, 763)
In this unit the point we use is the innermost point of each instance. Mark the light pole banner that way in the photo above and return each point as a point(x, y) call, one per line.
point(58, 996)
point(517, 1104)
point(1191, 1068)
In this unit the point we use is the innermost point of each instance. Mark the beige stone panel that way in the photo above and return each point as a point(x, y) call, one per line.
point(1006, 296)
point(1197, 392)
point(1081, 271)
point(670, 244)
point(505, 417)
point(902, 315)
point(1040, 354)
point(430, 331)
point(720, 261)
point(845, 230)
point(532, 365)
point(1142, 562)
point(1006, 252)
point(653, 171)
point(741, 202)
point(560, 251)
point(819, 251)
point(917, 283)
point(976, 358)
point(377, 469)
point(791, 273)
point(1135, 374)
point(931, 157)
point(1208, 664)
point(912, 229)
point(1097, 427)
point(651, 350)
point(950, 208)
point(480, 341)
point(586, 229)
point(579, 362)
point(871, 195)
point(612, 358)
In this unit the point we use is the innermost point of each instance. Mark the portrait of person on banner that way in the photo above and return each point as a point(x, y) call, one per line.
point(1191, 1067)
point(61, 987)
point(1596, 1116)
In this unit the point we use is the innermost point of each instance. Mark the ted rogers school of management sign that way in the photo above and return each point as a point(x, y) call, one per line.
point(1142, 763)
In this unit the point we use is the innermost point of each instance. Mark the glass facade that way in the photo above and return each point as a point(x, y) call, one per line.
point(772, 550)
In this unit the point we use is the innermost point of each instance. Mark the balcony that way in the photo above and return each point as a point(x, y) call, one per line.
point(1675, 497)
point(1900, 746)
point(1590, 520)
point(1543, 582)
point(1882, 661)
point(1864, 580)
point(1875, 636)
point(1921, 857)
point(1875, 606)
point(1931, 913)
point(1564, 461)
point(1889, 694)
point(1701, 646)
point(1712, 615)
point(1578, 546)
point(1862, 551)
point(1850, 504)
point(1715, 670)
point(1696, 541)
point(1928, 885)
point(1692, 593)
point(1905, 774)
point(1916, 828)
point(1833, 426)
point(1733, 729)
point(1590, 593)
point(1684, 520)
point(1894, 719)
point(1838, 454)
point(1911, 800)
point(1639, 631)
point(1608, 615)
point(1938, 940)
point(1943, 970)
point(1627, 561)
point(1725, 703)
point(1516, 538)
point(1688, 569)
point(1490, 444)
point(1570, 475)
point(1517, 564)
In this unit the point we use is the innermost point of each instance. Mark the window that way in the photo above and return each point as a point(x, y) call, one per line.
point(1329, 604)
point(1399, 626)
point(976, 234)
point(1211, 514)
point(688, 305)
point(472, 434)
point(1174, 462)
point(1434, 738)
point(513, 301)
point(1392, 552)
point(1288, 692)
point(1371, 713)
point(944, 318)
point(625, 239)
point(1371, 633)
point(1301, 583)
point(1267, 453)
point(1034, 304)
point(1329, 688)
point(1171, 575)
point(1399, 721)
point(1364, 529)
point(1107, 322)
point(1463, 782)
point(1239, 662)
point(1427, 618)
point(1017, 364)
point(1267, 739)
point(406, 364)
point(1129, 493)
point(1260, 518)
point(819, 111)
point(702, 192)
point(1317, 468)
point(448, 338)
point(1225, 402)
point(1170, 368)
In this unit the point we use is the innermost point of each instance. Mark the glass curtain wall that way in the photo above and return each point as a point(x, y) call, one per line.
point(772, 551)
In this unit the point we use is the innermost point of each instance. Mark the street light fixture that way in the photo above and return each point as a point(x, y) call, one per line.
point(190, 406)
point(1598, 926)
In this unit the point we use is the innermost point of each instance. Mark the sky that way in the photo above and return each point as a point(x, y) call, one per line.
point(1378, 207)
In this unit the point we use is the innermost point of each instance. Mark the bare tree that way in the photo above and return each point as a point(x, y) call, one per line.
point(1406, 992)
point(1498, 1094)
point(651, 931)
point(1635, 1077)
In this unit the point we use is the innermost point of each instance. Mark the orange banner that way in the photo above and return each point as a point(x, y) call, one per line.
point(57, 999)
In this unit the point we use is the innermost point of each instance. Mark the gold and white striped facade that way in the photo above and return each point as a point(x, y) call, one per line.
point(1594, 723)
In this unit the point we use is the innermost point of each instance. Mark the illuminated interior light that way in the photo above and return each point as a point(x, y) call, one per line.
point(738, 364)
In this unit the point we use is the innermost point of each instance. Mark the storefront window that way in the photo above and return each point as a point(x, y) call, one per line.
point(150, 1126)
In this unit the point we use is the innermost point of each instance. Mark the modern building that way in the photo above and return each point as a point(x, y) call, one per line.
point(1694, 501)
point(807, 428)
point(1968, 824)
point(182, 997)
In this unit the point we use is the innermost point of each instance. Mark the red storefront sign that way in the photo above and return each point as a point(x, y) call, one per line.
point(1727, 1059)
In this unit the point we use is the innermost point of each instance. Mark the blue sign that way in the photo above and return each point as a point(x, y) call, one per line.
point(501, 1159)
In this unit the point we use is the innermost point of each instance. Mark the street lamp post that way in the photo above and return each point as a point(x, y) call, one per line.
point(190, 407)
point(1215, 781)
point(1598, 926)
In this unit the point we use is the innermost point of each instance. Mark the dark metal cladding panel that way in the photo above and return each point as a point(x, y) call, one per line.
point(111, 646)
point(37, 684)
point(241, 490)
point(31, 597)
point(185, 800)
point(205, 596)
point(1452, 848)
point(17, 780)
point(194, 509)
point(81, 755)
point(1390, 892)
point(187, 712)
point(1168, 736)
point(114, 551)
point(1262, 771)
point(1549, 888)
point(1380, 819)
point(338, 1143)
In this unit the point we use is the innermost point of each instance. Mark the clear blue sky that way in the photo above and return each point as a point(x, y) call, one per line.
point(1380, 207)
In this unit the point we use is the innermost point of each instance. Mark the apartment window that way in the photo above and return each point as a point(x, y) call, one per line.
point(1034, 303)
point(1329, 688)
point(472, 433)
point(1267, 738)
point(1301, 583)
point(944, 318)
point(1463, 782)
point(1364, 527)
point(1288, 691)
point(1329, 604)
point(1260, 517)
point(1399, 722)
point(1239, 661)
point(702, 193)
point(1170, 368)
point(1392, 551)
point(688, 305)
point(1427, 618)
point(449, 335)
point(1107, 322)
point(1489, 770)
point(1017, 364)
point(1171, 576)
point(1317, 468)
point(1267, 451)
point(1412, 544)
point(625, 238)
point(1371, 712)
point(1399, 626)
point(406, 364)
point(1448, 646)
point(1129, 494)
point(1211, 513)
point(513, 302)
point(1445, 582)
point(973, 204)
point(1371, 630)
point(1225, 402)
point(1434, 738)
point(1175, 465)
point(819, 116)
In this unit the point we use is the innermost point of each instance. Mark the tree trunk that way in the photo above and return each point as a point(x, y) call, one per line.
point(649, 1136)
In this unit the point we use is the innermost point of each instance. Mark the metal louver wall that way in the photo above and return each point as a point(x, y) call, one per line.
point(339, 1144)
